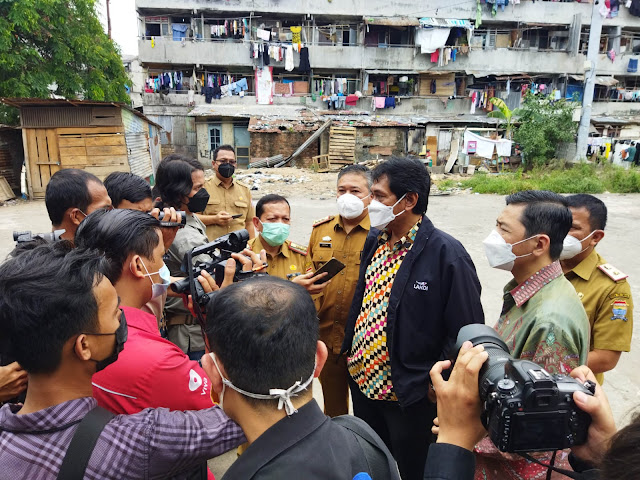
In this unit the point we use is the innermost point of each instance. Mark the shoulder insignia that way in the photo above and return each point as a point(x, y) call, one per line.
point(612, 272)
point(242, 184)
point(297, 248)
point(323, 220)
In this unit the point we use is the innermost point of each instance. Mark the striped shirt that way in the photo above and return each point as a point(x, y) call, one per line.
point(154, 443)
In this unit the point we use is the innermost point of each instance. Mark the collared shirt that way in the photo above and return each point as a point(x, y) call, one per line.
point(309, 445)
point(134, 383)
point(291, 259)
point(233, 200)
point(369, 363)
point(187, 337)
point(608, 304)
point(329, 239)
point(543, 321)
point(154, 443)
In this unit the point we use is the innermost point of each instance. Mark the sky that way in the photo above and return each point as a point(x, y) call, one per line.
point(124, 24)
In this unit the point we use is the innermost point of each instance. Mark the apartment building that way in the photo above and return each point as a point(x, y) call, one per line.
point(248, 72)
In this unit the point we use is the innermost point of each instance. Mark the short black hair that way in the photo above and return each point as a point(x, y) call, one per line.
point(119, 233)
point(223, 147)
point(267, 199)
point(622, 459)
point(46, 297)
point(265, 331)
point(546, 213)
point(173, 178)
point(68, 189)
point(406, 175)
point(596, 208)
point(126, 186)
point(357, 169)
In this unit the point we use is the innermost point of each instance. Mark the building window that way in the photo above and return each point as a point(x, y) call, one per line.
point(215, 137)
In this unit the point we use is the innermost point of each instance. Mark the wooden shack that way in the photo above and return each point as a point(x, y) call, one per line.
point(99, 137)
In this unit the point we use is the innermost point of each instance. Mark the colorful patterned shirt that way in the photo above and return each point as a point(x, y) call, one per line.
point(369, 363)
point(154, 443)
point(544, 321)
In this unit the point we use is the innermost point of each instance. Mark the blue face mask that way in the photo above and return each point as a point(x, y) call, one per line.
point(275, 233)
point(158, 289)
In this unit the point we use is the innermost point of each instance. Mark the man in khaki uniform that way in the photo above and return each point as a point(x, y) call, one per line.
point(603, 289)
point(286, 259)
point(227, 197)
point(340, 236)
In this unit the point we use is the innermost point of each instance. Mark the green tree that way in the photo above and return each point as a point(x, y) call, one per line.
point(57, 42)
point(505, 114)
point(544, 124)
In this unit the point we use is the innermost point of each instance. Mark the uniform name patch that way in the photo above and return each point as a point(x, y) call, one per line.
point(619, 310)
point(421, 286)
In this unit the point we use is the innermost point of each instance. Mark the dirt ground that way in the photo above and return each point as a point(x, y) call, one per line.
point(468, 217)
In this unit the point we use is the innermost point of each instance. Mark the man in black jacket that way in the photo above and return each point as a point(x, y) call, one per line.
point(417, 287)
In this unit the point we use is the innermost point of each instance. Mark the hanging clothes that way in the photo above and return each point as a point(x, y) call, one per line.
point(288, 58)
point(305, 66)
point(434, 56)
point(390, 102)
point(380, 102)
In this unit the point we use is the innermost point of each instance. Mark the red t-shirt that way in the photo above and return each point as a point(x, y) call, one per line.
point(150, 372)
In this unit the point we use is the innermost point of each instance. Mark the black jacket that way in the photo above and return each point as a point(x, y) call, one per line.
point(309, 445)
point(435, 293)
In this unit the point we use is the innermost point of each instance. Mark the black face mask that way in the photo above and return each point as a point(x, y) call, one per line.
point(199, 201)
point(226, 170)
point(121, 334)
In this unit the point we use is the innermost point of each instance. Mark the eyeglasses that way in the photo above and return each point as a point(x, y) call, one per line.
point(234, 163)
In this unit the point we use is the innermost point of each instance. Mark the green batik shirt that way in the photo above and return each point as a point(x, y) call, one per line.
point(543, 321)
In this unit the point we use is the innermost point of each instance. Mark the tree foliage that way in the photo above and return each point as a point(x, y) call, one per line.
point(45, 42)
point(544, 124)
point(504, 113)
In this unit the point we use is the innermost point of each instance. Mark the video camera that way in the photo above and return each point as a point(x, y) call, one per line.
point(524, 408)
point(183, 220)
point(49, 237)
point(220, 250)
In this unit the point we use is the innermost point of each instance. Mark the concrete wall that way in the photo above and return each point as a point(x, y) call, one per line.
point(538, 12)
point(269, 144)
point(374, 143)
point(204, 153)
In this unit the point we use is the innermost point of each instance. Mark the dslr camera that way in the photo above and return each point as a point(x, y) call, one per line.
point(525, 408)
point(220, 251)
point(49, 237)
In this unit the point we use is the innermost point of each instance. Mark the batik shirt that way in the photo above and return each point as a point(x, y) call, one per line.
point(370, 364)
point(544, 321)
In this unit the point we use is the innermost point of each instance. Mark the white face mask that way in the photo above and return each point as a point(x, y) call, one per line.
point(381, 215)
point(571, 246)
point(283, 396)
point(350, 206)
point(499, 252)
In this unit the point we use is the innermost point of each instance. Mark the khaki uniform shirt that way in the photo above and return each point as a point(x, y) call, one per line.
point(291, 259)
point(233, 200)
point(182, 328)
point(329, 239)
point(608, 304)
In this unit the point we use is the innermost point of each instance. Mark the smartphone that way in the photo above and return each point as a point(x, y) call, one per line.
point(333, 267)
point(237, 215)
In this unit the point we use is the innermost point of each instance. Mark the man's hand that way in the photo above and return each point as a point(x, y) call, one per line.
point(308, 282)
point(251, 261)
point(168, 233)
point(602, 424)
point(222, 218)
point(458, 398)
point(13, 381)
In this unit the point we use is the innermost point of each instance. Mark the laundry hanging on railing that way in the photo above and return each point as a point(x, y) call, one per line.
point(485, 147)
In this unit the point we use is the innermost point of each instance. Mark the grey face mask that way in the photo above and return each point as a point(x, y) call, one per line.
point(283, 396)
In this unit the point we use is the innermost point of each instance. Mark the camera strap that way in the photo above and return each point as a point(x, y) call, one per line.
point(196, 305)
point(567, 473)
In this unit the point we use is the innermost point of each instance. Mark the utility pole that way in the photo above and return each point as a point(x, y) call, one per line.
point(108, 19)
point(589, 81)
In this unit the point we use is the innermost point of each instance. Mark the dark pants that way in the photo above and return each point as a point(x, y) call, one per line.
point(405, 431)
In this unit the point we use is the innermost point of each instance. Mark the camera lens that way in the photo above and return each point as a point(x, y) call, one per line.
point(493, 369)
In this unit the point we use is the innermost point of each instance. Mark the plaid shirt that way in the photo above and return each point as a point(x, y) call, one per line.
point(154, 443)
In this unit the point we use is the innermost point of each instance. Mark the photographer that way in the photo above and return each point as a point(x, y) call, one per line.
point(61, 317)
point(130, 191)
point(180, 182)
point(458, 426)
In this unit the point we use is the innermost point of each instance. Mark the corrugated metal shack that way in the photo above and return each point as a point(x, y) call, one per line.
point(99, 137)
